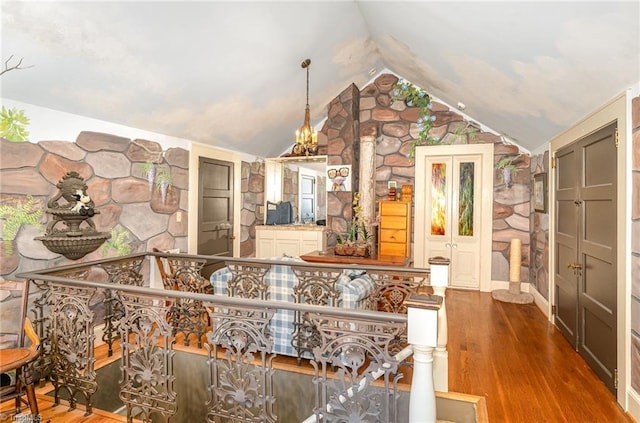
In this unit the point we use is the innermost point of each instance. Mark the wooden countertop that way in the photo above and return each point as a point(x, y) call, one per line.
point(293, 227)
point(329, 257)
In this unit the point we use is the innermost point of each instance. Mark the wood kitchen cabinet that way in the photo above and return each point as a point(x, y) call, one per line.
point(394, 238)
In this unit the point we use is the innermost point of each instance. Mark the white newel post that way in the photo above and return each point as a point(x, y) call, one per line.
point(439, 277)
point(422, 331)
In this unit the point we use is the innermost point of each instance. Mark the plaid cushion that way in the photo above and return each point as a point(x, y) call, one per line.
point(354, 285)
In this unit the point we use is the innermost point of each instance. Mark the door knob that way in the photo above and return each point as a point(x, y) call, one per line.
point(454, 245)
point(577, 268)
point(447, 245)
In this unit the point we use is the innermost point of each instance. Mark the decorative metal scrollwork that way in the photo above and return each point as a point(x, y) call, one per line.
point(248, 280)
point(72, 339)
point(241, 384)
point(392, 289)
point(315, 286)
point(147, 358)
point(188, 317)
point(126, 272)
point(358, 351)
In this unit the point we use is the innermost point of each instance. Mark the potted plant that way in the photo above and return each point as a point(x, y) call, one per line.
point(507, 167)
point(164, 181)
point(356, 241)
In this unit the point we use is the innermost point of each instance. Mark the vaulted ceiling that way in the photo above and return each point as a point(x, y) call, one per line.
point(228, 73)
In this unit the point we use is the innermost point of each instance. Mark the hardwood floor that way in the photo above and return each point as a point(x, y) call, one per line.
point(508, 353)
point(521, 364)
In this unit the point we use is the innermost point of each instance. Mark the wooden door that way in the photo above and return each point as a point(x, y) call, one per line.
point(585, 261)
point(307, 198)
point(566, 242)
point(453, 209)
point(215, 214)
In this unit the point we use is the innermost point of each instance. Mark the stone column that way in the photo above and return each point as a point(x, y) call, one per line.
point(368, 177)
point(343, 128)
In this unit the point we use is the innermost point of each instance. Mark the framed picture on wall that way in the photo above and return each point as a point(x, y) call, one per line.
point(540, 192)
point(339, 178)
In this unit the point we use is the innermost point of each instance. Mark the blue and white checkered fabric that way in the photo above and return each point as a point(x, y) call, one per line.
point(354, 285)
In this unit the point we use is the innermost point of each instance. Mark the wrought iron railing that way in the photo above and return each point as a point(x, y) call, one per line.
point(356, 353)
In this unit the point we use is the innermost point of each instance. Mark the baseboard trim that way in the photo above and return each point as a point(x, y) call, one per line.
point(540, 301)
point(495, 285)
point(633, 400)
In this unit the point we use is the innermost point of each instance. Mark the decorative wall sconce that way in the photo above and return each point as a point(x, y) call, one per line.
point(72, 241)
point(306, 137)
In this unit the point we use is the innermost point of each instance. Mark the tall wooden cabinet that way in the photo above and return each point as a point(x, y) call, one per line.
point(394, 238)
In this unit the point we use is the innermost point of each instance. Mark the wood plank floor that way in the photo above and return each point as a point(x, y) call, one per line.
point(508, 353)
point(521, 364)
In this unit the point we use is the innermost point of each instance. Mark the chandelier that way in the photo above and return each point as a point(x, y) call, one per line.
point(306, 137)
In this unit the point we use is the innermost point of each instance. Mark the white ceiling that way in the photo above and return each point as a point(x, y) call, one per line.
point(228, 73)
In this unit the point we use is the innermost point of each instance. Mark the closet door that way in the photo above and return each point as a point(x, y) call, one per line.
point(452, 227)
point(585, 260)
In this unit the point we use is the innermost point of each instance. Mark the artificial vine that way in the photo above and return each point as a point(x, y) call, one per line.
point(118, 242)
point(414, 96)
point(14, 217)
point(507, 167)
point(13, 125)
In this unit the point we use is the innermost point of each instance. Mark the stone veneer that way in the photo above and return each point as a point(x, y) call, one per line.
point(635, 246)
point(252, 187)
point(539, 223)
point(112, 168)
point(396, 127)
point(343, 147)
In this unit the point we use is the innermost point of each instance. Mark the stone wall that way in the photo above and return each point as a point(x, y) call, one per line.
point(539, 223)
point(252, 186)
point(342, 132)
point(396, 125)
point(635, 247)
point(113, 169)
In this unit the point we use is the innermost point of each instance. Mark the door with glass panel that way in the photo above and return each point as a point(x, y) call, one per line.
point(452, 224)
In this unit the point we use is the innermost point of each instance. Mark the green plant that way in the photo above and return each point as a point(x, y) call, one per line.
point(507, 167)
point(14, 217)
point(468, 130)
point(164, 181)
point(149, 170)
point(414, 96)
point(358, 233)
point(118, 242)
point(13, 125)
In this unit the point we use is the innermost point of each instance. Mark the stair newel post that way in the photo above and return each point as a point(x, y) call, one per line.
point(423, 336)
point(439, 278)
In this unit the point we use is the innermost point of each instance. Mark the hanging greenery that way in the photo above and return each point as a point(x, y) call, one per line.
point(13, 125)
point(164, 181)
point(14, 217)
point(414, 96)
point(507, 167)
point(119, 242)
